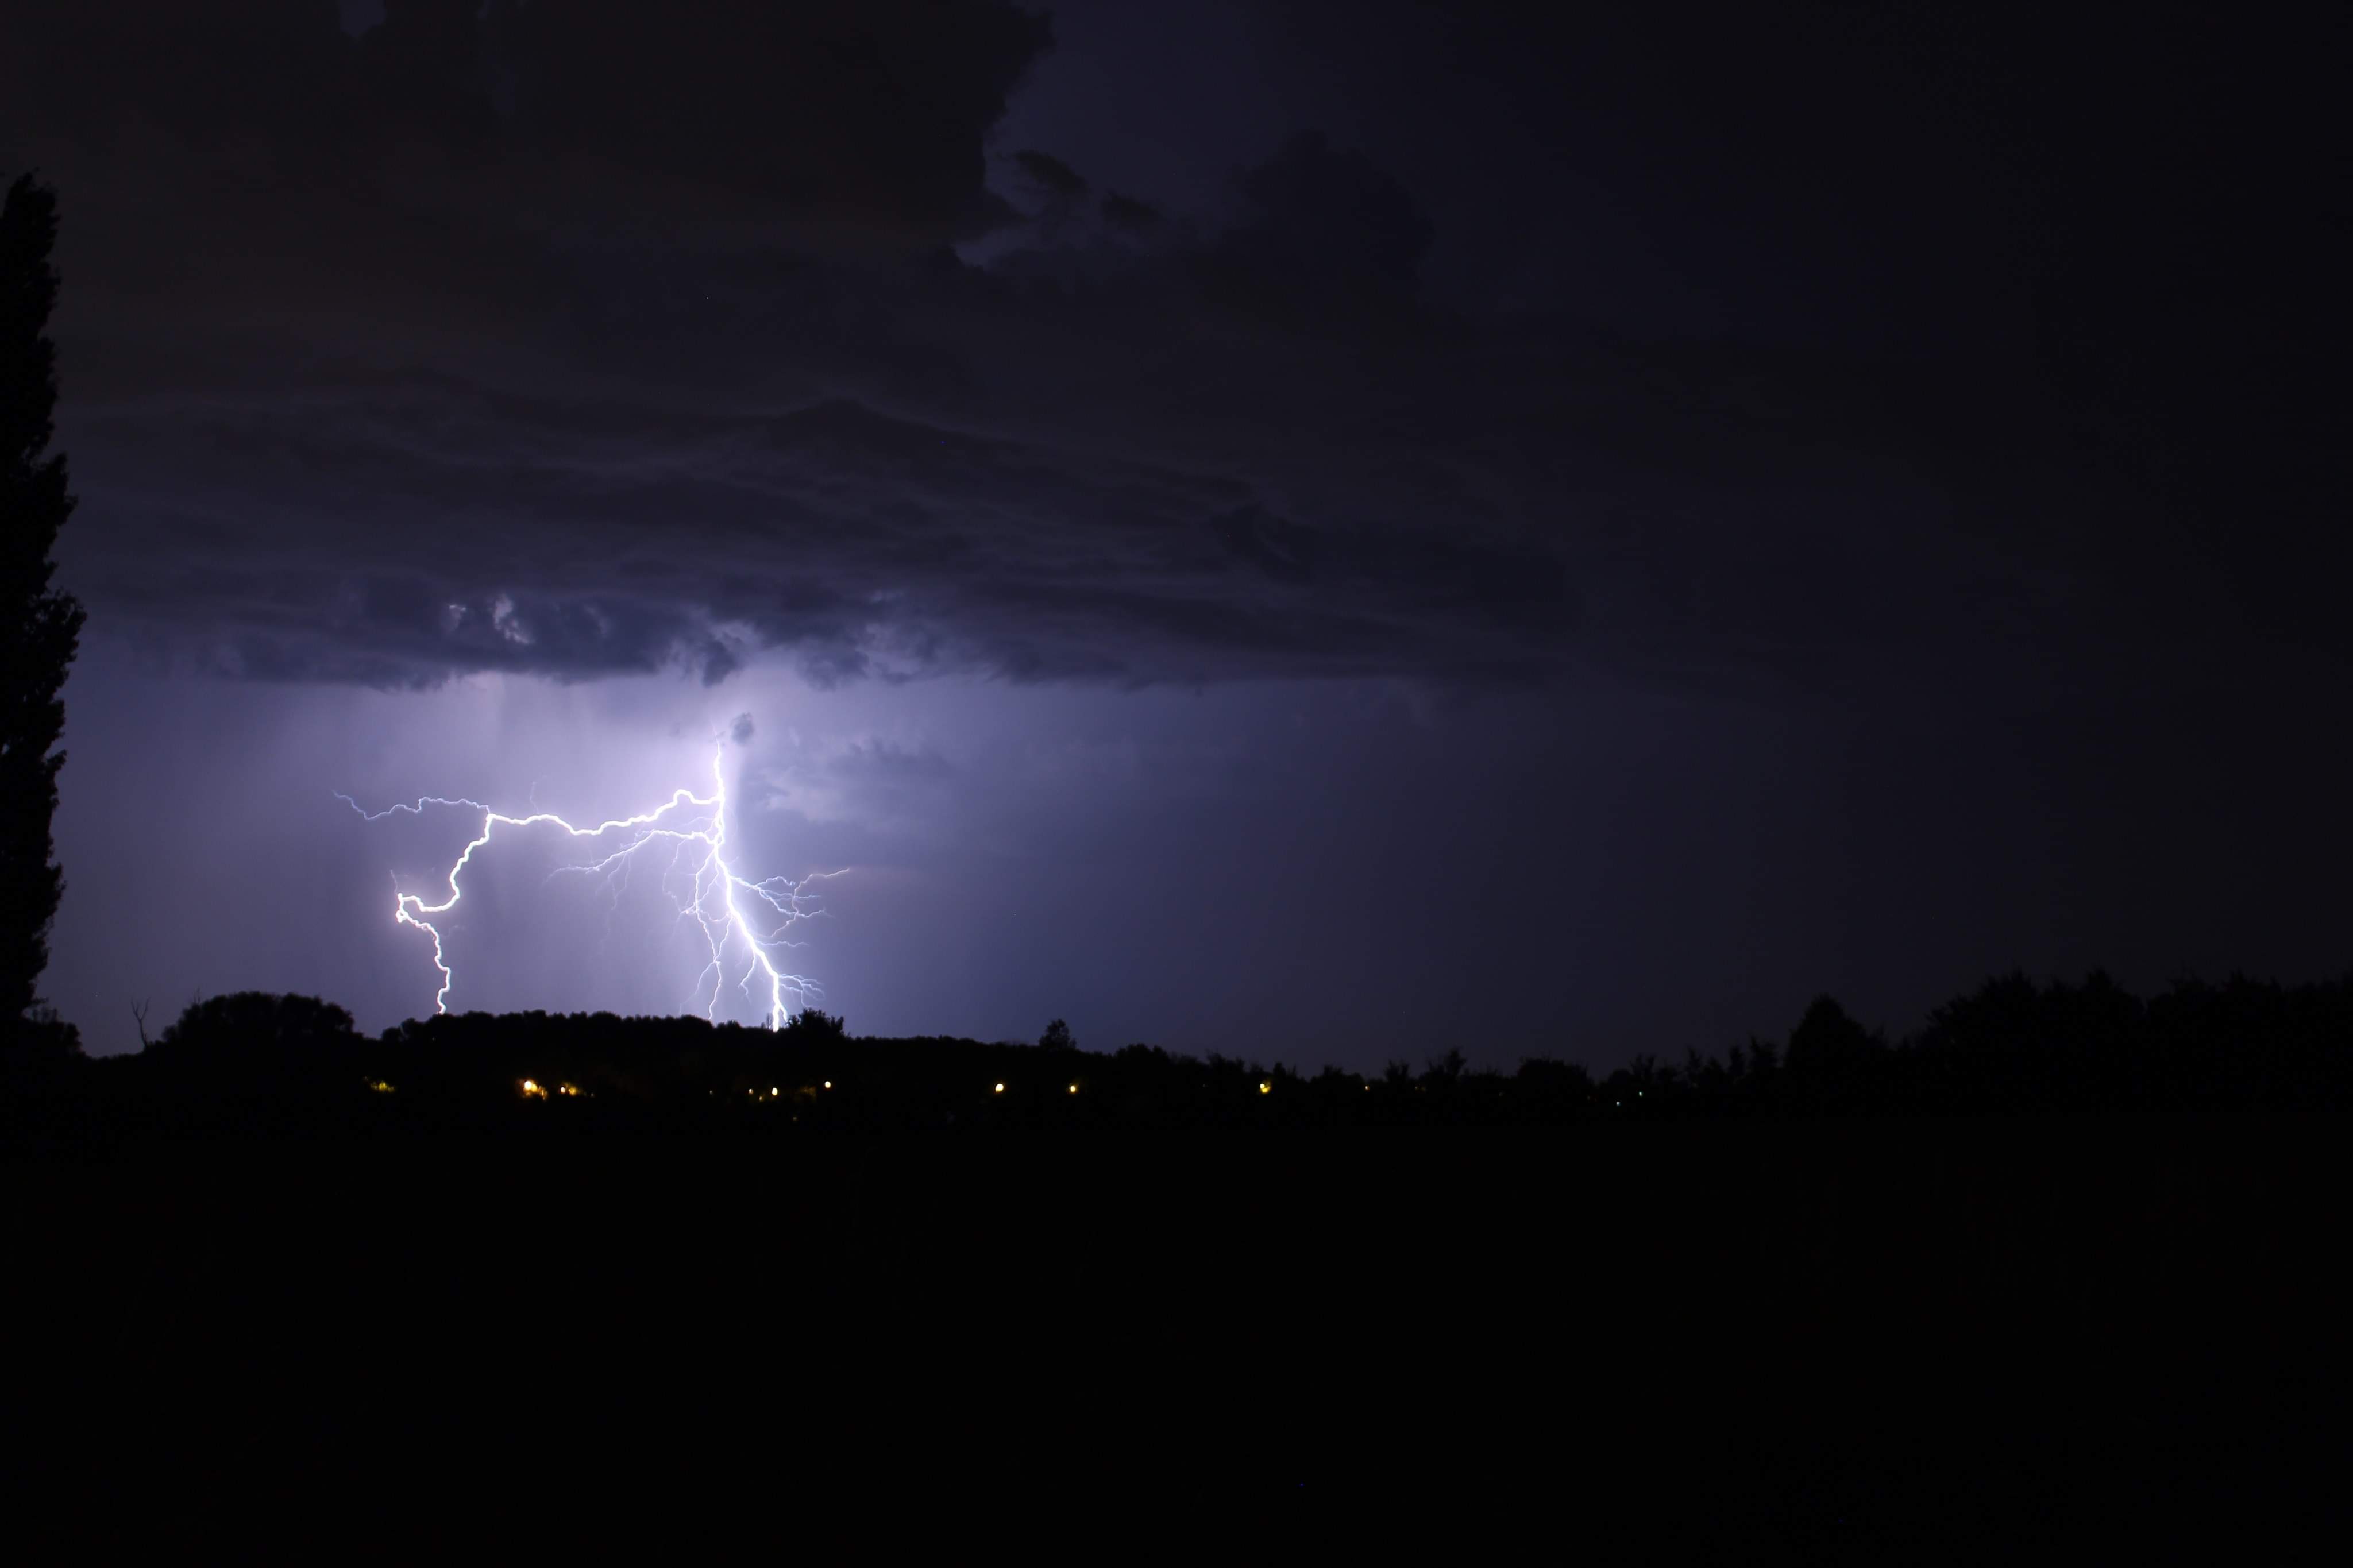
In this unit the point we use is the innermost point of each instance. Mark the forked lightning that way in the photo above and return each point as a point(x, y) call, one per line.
point(720, 902)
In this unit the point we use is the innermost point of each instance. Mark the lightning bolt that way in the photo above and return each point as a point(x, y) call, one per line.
point(719, 902)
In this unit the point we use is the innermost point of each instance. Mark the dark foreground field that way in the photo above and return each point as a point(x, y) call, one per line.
point(1844, 1338)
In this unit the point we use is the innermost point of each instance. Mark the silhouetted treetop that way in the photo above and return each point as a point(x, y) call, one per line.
point(258, 1023)
point(813, 1023)
point(39, 629)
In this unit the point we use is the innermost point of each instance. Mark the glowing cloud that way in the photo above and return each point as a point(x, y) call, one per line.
point(708, 890)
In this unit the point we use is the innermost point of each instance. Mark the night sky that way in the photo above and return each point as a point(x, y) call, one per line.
point(1313, 531)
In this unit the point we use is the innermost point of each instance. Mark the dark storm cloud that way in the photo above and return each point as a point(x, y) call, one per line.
point(598, 338)
point(868, 112)
point(1325, 238)
point(1128, 215)
point(1050, 174)
point(883, 760)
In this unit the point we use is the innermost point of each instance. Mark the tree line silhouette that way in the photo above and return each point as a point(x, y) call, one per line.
point(255, 1061)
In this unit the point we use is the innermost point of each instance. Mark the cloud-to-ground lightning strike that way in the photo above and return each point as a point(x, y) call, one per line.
point(695, 827)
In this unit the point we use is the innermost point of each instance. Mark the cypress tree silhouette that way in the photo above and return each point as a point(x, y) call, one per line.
point(39, 629)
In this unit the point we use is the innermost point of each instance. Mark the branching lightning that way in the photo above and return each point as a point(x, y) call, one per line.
point(708, 890)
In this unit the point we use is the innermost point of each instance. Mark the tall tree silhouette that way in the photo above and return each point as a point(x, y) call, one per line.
point(39, 629)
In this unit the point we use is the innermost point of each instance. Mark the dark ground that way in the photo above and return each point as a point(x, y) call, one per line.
point(1838, 1339)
